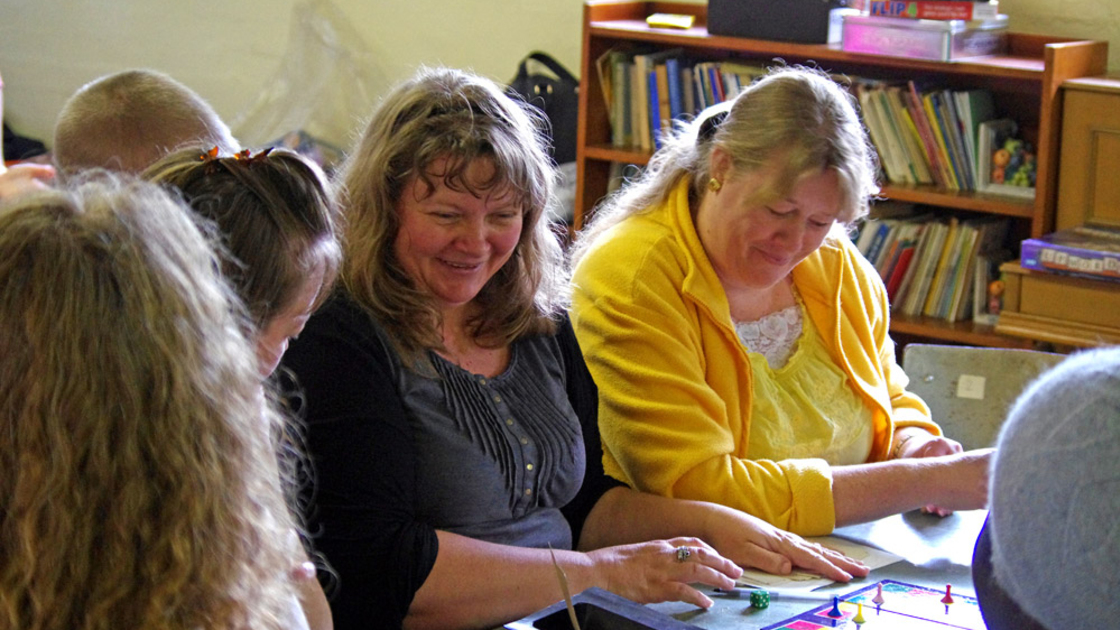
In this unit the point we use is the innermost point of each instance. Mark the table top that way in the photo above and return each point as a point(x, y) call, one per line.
point(936, 552)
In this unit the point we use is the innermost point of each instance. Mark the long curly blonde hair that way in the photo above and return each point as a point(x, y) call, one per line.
point(138, 483)
point(444, 113)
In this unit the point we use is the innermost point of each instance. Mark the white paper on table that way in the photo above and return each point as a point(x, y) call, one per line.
point(805, 581)
point(924, 540)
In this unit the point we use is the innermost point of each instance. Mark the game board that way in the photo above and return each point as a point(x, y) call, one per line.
point(904, 607)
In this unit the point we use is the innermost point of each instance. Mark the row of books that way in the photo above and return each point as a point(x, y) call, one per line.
point(937, 136)
point(933, 265)
point(646, 92)
point(932, 136)
point(924, 138)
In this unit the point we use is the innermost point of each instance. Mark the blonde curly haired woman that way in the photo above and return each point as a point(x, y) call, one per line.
point(137, 474)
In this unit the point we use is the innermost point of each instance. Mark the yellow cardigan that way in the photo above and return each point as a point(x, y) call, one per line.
point(675, 382)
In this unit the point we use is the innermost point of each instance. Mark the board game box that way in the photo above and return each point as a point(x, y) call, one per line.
point(904, 607)
point(1091, 252)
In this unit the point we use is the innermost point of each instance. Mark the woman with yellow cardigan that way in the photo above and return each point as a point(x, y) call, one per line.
point(740, 341)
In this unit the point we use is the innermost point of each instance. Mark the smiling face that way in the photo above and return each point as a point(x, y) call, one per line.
point(754, 246)
point(272, 342)
point(451, 242)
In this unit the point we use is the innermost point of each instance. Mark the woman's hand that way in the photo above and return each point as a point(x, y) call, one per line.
point(917, 442)
point(965, 485)
point(752, 542)
point(655, 571)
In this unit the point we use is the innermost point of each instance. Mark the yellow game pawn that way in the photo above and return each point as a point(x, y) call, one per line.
point(858, 619)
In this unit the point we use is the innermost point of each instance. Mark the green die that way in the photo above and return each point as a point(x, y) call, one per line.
point(760, 599)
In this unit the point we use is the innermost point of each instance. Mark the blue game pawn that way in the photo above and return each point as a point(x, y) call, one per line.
point(835, 612)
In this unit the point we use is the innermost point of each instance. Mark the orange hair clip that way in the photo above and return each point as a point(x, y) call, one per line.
point(245, 157)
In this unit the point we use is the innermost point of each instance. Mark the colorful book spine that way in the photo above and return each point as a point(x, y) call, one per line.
point(654, 105)
point(934, 9)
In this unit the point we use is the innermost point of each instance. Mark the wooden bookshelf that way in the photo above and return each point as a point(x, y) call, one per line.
point(1024, 83)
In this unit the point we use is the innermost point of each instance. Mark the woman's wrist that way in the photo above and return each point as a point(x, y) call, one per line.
point(901, 437)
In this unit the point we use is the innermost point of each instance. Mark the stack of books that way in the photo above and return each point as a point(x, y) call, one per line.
point(941, 30)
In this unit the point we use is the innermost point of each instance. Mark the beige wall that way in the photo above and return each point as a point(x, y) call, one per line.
point(231, 51)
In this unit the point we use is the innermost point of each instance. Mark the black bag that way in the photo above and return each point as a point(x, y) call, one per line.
point(557, 96)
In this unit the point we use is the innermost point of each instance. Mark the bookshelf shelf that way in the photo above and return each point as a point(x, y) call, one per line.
point(1024, 82)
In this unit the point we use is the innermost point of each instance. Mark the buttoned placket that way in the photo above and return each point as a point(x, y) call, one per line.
point(526, 479)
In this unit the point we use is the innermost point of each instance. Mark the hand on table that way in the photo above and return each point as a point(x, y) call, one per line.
point(752, 542)
point(654, 572)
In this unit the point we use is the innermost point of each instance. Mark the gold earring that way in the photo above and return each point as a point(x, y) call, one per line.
point(714, 185)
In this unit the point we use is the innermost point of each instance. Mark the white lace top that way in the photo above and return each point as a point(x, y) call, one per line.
point(803, 405)
point(774, 336)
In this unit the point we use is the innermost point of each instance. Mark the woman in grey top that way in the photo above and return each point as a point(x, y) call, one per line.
point(451, 417)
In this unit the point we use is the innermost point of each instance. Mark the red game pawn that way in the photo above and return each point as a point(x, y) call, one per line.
point(948, 599)
point(878, 599)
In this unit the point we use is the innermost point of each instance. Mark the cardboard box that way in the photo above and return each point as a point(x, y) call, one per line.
point(938, 40)
point(802, 21)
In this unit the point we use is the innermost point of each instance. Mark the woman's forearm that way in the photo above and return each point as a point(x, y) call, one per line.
point(476, 584)
point(866, 492)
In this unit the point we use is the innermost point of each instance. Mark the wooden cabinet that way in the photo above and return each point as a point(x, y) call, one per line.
point(1024, 82)
point(1088, 188)
point(1079, 312)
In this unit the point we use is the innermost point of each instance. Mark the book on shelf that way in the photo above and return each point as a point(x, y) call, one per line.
point(986, 238)
point(950, 249)
point(915, 285)
point(987, 291)
point(913, 101)
point(933, 9)
point(663, 104)
point(954, 137)
point(1087, 251)
point(911, 137)
point(614, 69)
point(973, 107)
point(890, 156)
point(938, 40)
point(930, 103)
point(897, 139)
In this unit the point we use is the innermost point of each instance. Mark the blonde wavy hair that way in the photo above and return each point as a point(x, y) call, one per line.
point(795, 116)
point(443, 113)
point(138, 483)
